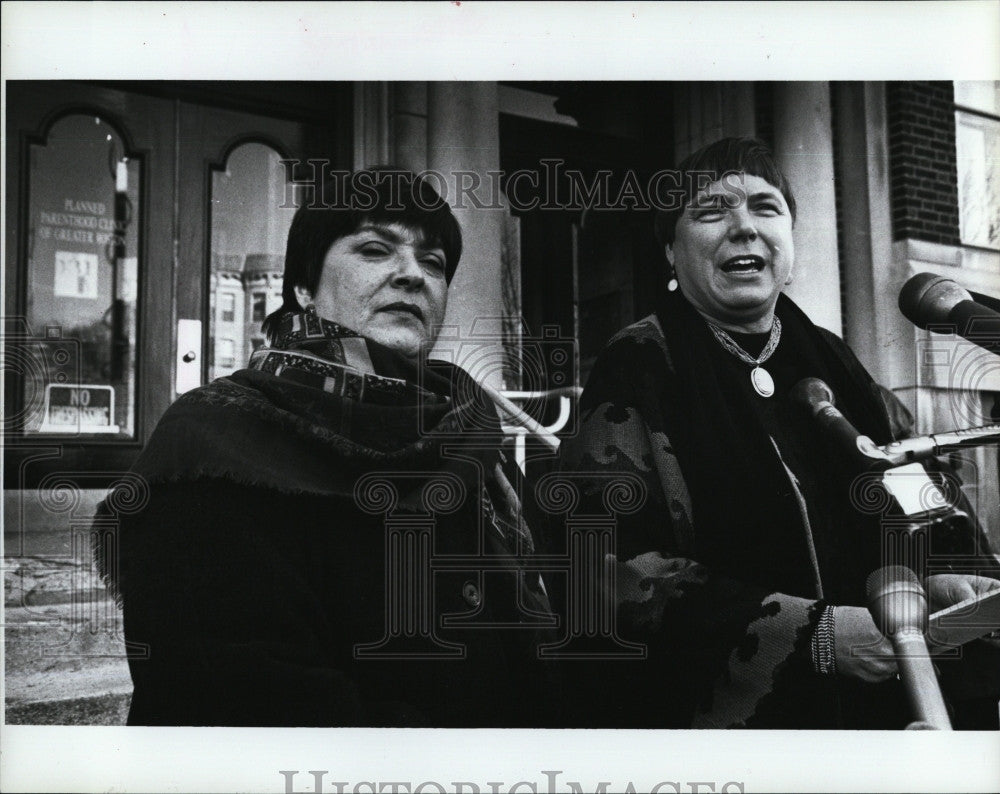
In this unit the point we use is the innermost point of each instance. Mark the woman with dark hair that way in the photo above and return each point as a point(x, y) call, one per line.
point(280, 570)
point(378, 197)
point(744, 569)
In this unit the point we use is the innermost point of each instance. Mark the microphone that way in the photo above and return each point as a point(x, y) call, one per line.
point(817, 398)
point(898, 606)
point(930, 302)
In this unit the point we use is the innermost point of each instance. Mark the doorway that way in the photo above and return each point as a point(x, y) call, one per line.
point(145, 241)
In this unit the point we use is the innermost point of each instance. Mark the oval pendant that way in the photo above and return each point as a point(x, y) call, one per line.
point(762, 381)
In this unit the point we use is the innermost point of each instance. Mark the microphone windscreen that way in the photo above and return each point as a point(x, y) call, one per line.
point(927, 299)
point(810, 392)
point(896, 599)
point(890, 577)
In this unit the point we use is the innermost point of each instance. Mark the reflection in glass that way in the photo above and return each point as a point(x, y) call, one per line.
point(82, 280)
point(249, 230)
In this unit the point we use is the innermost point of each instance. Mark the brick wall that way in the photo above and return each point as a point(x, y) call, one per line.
point(923, 172)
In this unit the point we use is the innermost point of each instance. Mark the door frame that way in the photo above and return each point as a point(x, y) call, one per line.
point(145, 125)
point(207, 136)
point(147, 115)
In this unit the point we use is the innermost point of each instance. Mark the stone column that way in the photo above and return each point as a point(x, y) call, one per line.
point(873, 326)
point(409, 125)
point(707, 111)
point(803, 144)
point(463, 135)
point(372, 133)
point(390, 125)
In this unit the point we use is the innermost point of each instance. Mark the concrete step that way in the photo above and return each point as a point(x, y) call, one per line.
point(42, 522)
point(61, 691)
point(62, 631)
point(82, 680)
point(37, 581)
point(111, 709)
point(66, 664)
point(64, 653)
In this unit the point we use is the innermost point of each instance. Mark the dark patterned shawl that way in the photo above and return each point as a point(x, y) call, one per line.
point(296, 512)
point(322, 407)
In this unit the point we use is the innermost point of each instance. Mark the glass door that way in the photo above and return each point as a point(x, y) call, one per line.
point(88, 275)
point(232, 252)
point(252, 205)
point(145, 238)
point(82, 279)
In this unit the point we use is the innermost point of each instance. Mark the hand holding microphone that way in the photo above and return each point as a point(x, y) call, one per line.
point(898, 605)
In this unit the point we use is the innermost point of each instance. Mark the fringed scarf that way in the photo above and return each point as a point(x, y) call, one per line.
point(323, 406)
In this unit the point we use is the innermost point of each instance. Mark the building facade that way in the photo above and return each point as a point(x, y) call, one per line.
point(145, 231)
point(146, 225)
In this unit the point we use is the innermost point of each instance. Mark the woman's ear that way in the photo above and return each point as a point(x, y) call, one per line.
point(303, 296)
point(672, 284)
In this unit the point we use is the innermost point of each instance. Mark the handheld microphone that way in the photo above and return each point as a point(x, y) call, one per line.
point(936, 303)
point(912, 494)
point(817, 398)
point(898, 606)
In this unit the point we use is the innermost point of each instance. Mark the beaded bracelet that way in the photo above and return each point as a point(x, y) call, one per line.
point(824, 657)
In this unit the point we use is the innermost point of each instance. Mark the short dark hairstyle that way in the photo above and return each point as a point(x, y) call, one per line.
point(345, 203)
point(724, 156)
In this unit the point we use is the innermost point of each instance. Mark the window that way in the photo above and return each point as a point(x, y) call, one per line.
point(225, 353)
point(259, 307)
point(227, 307)
point(249, 229)
point(76, 345)
point(977, 141)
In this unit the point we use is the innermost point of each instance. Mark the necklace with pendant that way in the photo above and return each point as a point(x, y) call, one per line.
point(760, 378)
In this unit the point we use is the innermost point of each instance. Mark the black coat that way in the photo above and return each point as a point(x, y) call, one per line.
point(260, 572)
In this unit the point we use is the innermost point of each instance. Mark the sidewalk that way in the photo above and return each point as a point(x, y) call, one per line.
point(64, 653)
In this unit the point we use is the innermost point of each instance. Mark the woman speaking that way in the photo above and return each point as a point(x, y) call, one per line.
point(744, 571)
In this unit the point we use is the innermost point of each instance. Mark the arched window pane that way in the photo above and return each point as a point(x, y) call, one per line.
point(249, 231)
point(82, 280)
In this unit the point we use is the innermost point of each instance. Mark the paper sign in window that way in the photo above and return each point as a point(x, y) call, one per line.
point(79, 408)
point(76, 275)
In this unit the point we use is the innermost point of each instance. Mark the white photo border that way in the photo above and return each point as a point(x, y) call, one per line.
point(490, 41)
